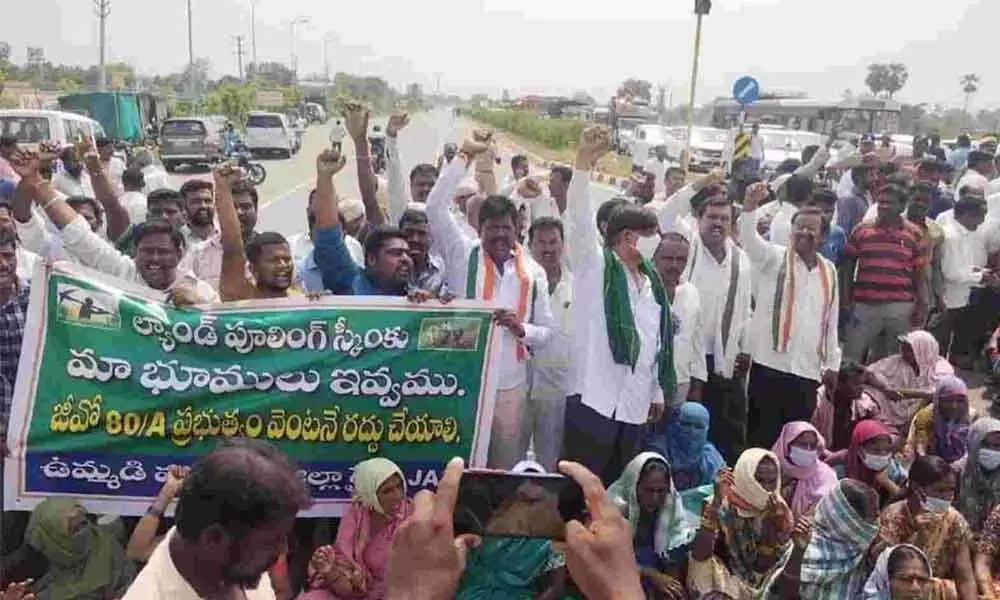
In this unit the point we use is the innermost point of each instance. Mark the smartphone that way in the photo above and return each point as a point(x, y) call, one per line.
point(506, 504)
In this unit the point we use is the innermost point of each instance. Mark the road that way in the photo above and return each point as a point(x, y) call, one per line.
point(283, 195)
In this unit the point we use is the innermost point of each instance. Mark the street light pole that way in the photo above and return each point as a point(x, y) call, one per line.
point(102, 8)
point(291, 31)
point(701, 8)
point(253, 32)
point(192, 83)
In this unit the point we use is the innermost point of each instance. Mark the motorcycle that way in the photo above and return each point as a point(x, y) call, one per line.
point(255, 172)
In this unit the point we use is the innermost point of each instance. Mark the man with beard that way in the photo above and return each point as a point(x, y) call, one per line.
point(234, 514)
point(158, 245)
point(722, 273)
point(72, 180)
point(387, 260)
point(160, 204)
point(670, 258)
point(204, 259)
point(271, 269)
point(199, 205)
point(13, 312)
point(793, 333)
point(621, 364)
point(494, 268)
point(888, 294)
point(428, 269)
point(26, 259)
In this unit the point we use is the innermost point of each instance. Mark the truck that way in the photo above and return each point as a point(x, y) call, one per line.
point(125, 116)
point(623, 115)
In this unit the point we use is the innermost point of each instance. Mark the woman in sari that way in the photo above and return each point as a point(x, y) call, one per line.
point(979, 486)
point(745, 529)
point(693, 459)
point(805, 478)
point(901, 573)
point(661, 529)
point(85, 560)
point(927, 520)
point(355, 566)
point(832, 561)
point(942, 428)
point(987, 553)
point(902, 383)
point(870, 460)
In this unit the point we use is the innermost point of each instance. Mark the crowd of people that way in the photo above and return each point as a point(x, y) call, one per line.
point(755, 383)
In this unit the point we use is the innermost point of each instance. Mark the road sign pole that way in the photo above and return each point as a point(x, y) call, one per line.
point(694, 84)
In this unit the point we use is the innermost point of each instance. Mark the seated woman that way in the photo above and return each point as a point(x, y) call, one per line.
point(979, 485)
point(870, 460)
point(745, 529)
point(901, 384)
point(927, 520)
point(901, 573)
point(526, 566)
point(661, 529)
point(942, 428)
point(835, 414)
point(987, 553)
point(693, 459)
point(832, 562)
point(355, 566)
point(805, 478)
point(85, 560)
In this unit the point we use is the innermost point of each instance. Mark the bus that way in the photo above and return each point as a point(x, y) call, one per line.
point(857, 115)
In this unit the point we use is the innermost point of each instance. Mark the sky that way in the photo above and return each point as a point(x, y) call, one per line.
point(821, 47)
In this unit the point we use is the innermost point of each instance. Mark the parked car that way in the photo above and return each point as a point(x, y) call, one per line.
point(31, 127)
point(707, 144)
point(190, 140)
point(270, 133)
point(782, 144)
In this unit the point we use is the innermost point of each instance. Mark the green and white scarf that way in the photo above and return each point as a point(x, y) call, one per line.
point(622, 335)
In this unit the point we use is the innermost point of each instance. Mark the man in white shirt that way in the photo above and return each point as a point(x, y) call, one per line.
point(154, 175)
point(756, 149)
point(133, 200)
point(549, 367)
point(793, 332)
point(676, 211)
point(969, 239)
point(213, 551)
point(114, 167)
point(422, 176)
point(722, 273)
point(494, 268)
point(670, 259)
point(657, 165)
point(981, 169)
point(519, 169)
point(158, 247)
point(73, 180)
point(204, 259)
point(337, 134)
point(622, 364)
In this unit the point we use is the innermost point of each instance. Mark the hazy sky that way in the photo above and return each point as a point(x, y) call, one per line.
point(550, 46)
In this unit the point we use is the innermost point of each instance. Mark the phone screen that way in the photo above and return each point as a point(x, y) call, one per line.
point(504, 504)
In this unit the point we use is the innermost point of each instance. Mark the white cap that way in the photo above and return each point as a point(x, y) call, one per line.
point(351, 209)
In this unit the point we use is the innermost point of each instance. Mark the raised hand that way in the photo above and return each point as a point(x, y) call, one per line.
point(723, 483)
point(18, 591)
point(802, 532)
point(329, 163)
point(711, 178)
point(356, 116)
point(755, 193)
point(477, 144)
point(175, 480)
point(26, 164)
point(87, 150)
point(595, 142)
point(226, 174)
point(397, 122)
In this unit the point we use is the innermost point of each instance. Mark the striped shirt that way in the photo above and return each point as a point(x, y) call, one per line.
point(888, 260)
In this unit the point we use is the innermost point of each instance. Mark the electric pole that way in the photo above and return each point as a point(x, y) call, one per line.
point(102, 8)
point(239, 54)
point(192, 81)
point(294, 62)
point(253, 32)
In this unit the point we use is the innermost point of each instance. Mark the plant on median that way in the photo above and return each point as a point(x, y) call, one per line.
point(552, 133)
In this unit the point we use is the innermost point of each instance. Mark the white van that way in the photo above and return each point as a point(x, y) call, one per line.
point(30, 127)
point(270, 133)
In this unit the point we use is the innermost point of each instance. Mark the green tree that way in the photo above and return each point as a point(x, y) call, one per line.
point(896, 77)
point(233, 101)
point(970, 85)
point(876, 79)
point(637, 88)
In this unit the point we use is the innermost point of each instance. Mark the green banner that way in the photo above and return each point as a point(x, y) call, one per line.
point(114, 386)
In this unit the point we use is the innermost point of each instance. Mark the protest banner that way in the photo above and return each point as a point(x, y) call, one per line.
point(114, 386)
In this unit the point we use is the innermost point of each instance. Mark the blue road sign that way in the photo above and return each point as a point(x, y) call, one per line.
point(746, 90)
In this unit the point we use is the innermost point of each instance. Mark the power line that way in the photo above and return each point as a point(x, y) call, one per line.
point(102, 8)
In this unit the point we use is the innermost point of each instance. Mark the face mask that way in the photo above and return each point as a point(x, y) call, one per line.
point(936, 505)
point(800, 457)
point(989, 459)
point(875, 462)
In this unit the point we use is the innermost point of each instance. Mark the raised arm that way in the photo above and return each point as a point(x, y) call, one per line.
point(330, 253)
point(584, 248)
point(679, 204)
point(444, 228)
point(761, 253)
point(233, 284)
point(31, 228)
point(819, 160)
point(104, 192)
point(356, 116)
point(399, 197)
